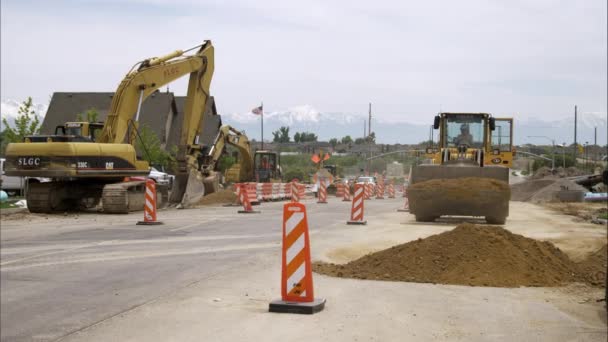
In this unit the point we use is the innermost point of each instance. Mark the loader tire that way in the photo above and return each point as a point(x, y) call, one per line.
point(496, 220)
point(420, 218)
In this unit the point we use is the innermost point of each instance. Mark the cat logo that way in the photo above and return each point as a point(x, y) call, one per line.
point(496, 160)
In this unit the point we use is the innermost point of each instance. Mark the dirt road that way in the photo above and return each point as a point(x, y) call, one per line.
point(209, 274)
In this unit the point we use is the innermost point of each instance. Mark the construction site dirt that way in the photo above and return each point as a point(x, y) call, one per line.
point(474, 255)
point(96, 277)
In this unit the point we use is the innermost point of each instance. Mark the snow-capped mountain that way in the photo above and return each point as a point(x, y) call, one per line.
point(9, 109)
point(337, 125)
point(329, 125)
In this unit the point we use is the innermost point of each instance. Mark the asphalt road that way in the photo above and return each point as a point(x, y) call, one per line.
point(77, 270)
point(91, 277)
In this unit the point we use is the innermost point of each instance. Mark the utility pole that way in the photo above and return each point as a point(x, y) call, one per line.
point(364, 129)
point(595, 143)
point(369, 133)
point(575, 143)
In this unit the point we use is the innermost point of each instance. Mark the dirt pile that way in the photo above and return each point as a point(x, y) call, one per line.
point(467, 255)
point(542, 190)
point(219, 197)
point(559, 171)
point(463, 188)
point(542, 172)
point(593, 269)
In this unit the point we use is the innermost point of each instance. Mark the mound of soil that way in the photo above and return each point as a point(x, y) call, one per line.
point(524, 191)
point(219, 197)
point(467, 255)
point(463, 188)
point(542, 190)
point(593, 269)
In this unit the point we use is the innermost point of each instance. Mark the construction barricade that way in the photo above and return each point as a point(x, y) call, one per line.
point(150, 204)
point(391, 190)
point(340, 189)
point(380, 189)
point(246, 200)
point(367, 191)
point(357, 209)
point(297, 292)
point(346, 196)
point(322, 194)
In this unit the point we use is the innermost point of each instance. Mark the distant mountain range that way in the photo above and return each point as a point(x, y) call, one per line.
point(329, 125)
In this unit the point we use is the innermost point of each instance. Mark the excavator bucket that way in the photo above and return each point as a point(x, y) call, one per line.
point(188, 189)
point(462, 190)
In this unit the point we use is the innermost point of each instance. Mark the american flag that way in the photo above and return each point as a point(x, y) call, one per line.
point(258, 110)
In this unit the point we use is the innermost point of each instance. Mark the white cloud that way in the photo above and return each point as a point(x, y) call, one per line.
point(535, 59)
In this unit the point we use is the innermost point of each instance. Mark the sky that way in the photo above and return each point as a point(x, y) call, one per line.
point(531, 59)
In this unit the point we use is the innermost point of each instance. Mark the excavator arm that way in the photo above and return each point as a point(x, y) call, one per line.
point(230, 136)
point(151, 75)
point(145, 78)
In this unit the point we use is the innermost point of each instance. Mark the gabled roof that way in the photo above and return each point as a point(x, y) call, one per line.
point(209, 127)
point(162, 112)
point(65, 106)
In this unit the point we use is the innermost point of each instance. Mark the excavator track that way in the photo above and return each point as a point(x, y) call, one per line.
point(121, 198)
point(46, 198)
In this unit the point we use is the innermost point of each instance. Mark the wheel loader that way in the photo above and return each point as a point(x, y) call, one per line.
point(86, 167)
point(467, 172)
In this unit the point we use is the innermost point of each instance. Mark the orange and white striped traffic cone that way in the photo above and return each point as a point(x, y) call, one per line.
point(150, 204)
point(406, 206)
point(356, 212)
point(391, 190)
point(322, 192)
point(367, 191)
point(297, 294)
point(380, 190)
point(244, 193)
point(295, 192)
point(346, 193)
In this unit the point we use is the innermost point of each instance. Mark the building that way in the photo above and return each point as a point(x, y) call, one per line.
point(162, 112)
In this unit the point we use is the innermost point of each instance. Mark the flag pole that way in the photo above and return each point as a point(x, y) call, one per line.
point(262, 125)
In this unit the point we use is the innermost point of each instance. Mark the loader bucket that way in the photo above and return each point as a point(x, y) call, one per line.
point(461, 190)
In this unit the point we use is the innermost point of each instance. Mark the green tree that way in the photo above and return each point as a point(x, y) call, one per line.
point(333, 142)
point(307, 137)
point(282, 135)
point(225, 162)
point(148, 146)
point(347, 140)
point(26, 123)
point(296, 137)
point(359, 141)
point(292, 173)
point(91, 114)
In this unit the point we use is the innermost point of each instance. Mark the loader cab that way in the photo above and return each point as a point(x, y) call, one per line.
point(464, 129)
point(266, 165)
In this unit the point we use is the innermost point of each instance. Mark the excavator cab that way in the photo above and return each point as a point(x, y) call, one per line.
point(70, 132)
point(266, 166)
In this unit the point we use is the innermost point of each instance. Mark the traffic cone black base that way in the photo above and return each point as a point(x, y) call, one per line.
point(307, 308)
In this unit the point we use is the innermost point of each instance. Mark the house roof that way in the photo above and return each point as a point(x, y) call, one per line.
point(209, 126)
point(65, 106)
point(162, 112)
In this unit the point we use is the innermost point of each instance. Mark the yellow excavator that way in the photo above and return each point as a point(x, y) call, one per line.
point(262, 166)
point(459, 178)
point(87, 168)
